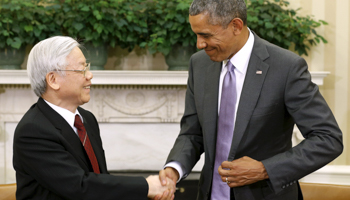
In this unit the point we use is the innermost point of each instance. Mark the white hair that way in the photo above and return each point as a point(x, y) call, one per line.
point(46, 56)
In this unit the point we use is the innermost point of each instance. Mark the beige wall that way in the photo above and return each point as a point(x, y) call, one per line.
point(333, 57)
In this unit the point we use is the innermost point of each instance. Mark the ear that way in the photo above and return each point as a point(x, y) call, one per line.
point(52, 81)
point(237, 26)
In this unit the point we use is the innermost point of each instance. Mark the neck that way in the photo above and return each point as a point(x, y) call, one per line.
point(242, 38)
point(58, 102)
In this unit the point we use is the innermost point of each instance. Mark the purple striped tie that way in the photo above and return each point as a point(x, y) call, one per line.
point(220, 190)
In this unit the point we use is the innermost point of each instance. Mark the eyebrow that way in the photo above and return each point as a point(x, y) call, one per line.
point(204, 34)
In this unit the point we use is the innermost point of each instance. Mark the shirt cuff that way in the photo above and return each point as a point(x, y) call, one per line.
point(177, 166)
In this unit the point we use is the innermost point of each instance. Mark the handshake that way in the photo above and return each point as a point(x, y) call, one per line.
point(162, 187)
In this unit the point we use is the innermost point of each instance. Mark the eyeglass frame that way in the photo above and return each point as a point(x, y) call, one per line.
point(87, 68)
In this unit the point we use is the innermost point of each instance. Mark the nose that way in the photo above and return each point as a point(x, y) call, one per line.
point(201, 44)
point(89, 75)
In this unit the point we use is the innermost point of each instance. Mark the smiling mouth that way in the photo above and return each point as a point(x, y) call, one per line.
point(208, 50)
point(87, 87)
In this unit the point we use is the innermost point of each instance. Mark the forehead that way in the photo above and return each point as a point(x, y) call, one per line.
point(76, 56)
point(76, 53)
point(200, 25)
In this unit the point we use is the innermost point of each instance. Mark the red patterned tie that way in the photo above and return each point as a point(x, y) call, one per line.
point(84, 138)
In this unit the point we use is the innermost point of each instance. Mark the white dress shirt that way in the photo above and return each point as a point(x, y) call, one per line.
point(240, 60)
point(66, 114)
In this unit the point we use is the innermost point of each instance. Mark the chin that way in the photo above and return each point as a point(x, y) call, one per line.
point(215, 59)
point(85, 100)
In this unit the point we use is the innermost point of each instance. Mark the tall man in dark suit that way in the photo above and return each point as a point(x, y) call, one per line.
point(57, 151)
point(244, 96)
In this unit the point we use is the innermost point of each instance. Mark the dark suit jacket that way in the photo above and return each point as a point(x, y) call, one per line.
point(269, 106)
point(51, 163)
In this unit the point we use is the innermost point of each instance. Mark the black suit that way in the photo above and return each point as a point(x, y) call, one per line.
point(51, 163)
point(277, 93)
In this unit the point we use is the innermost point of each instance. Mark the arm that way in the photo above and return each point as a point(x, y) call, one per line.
point(44, 156)
point(323, 138)
point(189, 144)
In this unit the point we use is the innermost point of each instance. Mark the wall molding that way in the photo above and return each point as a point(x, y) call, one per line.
point(115, 77)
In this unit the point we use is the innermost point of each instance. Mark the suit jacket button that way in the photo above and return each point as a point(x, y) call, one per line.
point(283, 187)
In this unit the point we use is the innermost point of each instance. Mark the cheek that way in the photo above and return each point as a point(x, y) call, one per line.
point(215, 42)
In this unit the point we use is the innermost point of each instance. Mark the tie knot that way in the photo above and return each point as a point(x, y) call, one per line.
point(230, 66)
point(77, 122)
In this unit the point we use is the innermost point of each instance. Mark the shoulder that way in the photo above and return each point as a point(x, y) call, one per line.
point(273, 53)
point(200, 58)
point(34, 123)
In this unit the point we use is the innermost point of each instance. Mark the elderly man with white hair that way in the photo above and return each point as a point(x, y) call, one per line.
point(57, 151)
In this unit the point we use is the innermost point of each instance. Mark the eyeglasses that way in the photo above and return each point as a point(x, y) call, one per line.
point(87, 68)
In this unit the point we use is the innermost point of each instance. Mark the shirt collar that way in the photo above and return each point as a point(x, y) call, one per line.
point(66, 114)
point(241, 59)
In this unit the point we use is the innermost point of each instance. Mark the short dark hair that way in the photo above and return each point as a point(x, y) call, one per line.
point(221, 12)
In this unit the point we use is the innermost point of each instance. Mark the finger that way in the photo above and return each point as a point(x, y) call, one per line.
point(162, 177)
point(231, 183)
point(171, 193)
point(166, 195)
point(234, 184)
point(224, 172)
point(220, 169)
point(171, 184)
point(157, 197)
point(226, 179)
point(226, 164)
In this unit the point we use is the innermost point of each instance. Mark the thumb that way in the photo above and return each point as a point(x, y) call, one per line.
point(162, 177)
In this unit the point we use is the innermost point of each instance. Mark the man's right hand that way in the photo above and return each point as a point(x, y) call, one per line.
point(158, 191)
point(170, 173)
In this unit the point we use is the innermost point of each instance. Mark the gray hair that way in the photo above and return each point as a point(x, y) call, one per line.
point(221, 12)
point(46, 56)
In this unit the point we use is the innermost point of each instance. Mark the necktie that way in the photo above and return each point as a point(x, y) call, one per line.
point(84, 138)
point(220, 190)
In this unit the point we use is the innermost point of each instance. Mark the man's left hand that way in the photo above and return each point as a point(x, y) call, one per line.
point(243, 171)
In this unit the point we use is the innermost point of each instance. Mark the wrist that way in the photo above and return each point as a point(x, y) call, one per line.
point(174, 172)
point(264, 173)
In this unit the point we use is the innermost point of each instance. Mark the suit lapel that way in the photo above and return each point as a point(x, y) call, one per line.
point(66, 130)
point(210, 106)
point(253, 83)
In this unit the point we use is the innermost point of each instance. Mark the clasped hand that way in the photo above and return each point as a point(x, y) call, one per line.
point(243, 171)
point(158, 191)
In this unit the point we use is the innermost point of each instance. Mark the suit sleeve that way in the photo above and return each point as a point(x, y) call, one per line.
point(41, 157)
point(313, 117)
point(188, 146)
